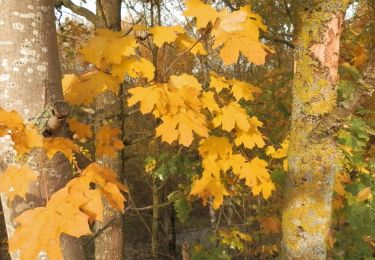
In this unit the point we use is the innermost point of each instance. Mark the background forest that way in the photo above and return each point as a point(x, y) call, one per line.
point(217, 178)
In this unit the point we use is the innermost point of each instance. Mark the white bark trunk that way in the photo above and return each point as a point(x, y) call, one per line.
point(30, 81)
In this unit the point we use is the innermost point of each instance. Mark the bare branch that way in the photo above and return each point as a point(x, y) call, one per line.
point(90, 16)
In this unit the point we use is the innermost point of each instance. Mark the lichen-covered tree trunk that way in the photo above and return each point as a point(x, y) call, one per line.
point(110, 243)
point(314, 158)
point(30, 82)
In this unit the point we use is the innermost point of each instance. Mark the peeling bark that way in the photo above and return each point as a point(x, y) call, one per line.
point(313, 160)
point(30, 82)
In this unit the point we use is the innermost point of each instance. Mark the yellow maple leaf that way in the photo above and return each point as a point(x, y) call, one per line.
point(239, 37)
point(281, 152)
point(149, 98)
point(251, 137)
point(84, 89)
point(218, 83)
point(80, 129)
point(209, 186)
point(10, 121)
point(165, 34)
point(108, 47)
point(231, 116)
point(209, 102)
point(186, 42)
point(364, 194)
point(256, 177)
point(241, 89)
point(91, 199)
point(181, 127)
point(107, 181)
point(215, 147)
point(184, 81)
point(67, 218)
point(60, 144)
point(16, 181)
point(135, 68)
point(340, 180)
point(26, 139)
point(24, 136)
point(107, 142)
point(202, 12)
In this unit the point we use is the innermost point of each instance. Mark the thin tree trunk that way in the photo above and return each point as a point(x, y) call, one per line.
point(110, 243)
point(30, 83)
point(313, 159)
point(155, 220)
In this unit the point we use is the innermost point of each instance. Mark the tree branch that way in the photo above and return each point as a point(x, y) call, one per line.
point(337, 117)
point(90, 16)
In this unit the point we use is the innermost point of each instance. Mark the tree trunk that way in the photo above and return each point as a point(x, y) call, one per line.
point(110, 243)
point(30, 83)
point(313, 159)
point(155, 220)
point(108, 14)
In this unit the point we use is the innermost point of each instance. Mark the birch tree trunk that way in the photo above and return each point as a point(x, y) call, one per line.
point(30, 82)
point(314, 159)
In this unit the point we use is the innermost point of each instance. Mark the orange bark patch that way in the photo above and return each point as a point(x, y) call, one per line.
point(327, 52)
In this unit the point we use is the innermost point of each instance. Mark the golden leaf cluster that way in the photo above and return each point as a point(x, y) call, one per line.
point(71, 209)
point(218, 160)
point(234, 33)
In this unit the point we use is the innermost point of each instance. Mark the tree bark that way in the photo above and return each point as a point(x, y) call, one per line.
point(30, 83)
point(313, 159)
point(108, 14)
point(110, 244)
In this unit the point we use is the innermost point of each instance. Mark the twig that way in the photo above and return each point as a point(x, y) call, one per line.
point(179, 56)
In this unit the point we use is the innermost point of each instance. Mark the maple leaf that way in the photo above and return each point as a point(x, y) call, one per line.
point(107, 143)
point(10, 121)
point(26, 139)
point(80, 129)
point(209, 102)
point(24, 136)
point(236, 35)
point(60, 144)
point(256, 177)
point(91, 199)
point(364, 194)
point(281, 152)
point(84, 89)
point(16, 181)
point(202, 12)
point(106, 179)
point(232, 115)
point(165, 34)
point(218, 83)
point(135, 68)
point(149, 97)
point(340, 180)
point(215, 147)
point(251, 137)
point(108, 47)
point(215, 152)
point(270, 225)
point(67, 217)
point(209, 186)
point(181, 127)
point(243, 90)
point(184, 81)
point(186, 42)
